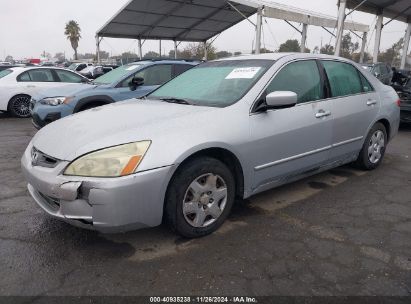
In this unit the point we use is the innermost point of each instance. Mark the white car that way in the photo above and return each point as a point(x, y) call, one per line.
point(18, 84)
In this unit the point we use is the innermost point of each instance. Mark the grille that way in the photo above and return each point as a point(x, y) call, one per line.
point(40, 159)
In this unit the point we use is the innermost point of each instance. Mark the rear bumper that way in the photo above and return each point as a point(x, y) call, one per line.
point(108, 205)
point(405, 115)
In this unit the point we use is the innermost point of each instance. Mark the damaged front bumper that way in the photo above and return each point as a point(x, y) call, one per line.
point(105, 204)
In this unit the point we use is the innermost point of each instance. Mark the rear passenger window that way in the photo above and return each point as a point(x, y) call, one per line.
point(302, 78)
point(42, 75)
point(343, 77)
point(24, 77)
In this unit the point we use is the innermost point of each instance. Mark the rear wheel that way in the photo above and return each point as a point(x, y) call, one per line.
point(19, 106)
point(373, 150)
point(200, 197)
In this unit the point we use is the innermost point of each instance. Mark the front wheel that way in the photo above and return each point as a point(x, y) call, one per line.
point(19, 106)
point(200, 197)
point(373, 150)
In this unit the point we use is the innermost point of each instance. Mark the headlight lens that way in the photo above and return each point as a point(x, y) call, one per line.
point(55, 101)
point(111, 162)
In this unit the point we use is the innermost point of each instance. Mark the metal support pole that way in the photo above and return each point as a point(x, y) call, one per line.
point(159, 48)
point(363, 44)
point(377, 43)
point(406, 45)
point(304, 37)
point(140, 49)
point(258, 30)
point(340, 26)
point(98, 49)
point(205, 51)
point(175, 49)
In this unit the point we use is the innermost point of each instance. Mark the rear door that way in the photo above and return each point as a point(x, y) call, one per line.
point(37, 79)
point(355, 106)
point(290, 142)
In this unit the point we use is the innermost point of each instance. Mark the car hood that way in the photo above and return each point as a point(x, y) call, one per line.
point(115, 124)
point(65, 90)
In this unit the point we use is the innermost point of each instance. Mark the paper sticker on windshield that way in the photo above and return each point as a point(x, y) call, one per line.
point(243, 73)
point(133, 67)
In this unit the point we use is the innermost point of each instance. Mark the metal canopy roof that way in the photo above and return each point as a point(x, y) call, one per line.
point(396, 9)
point(182, 20)
point(200, 20)
point(290, 13)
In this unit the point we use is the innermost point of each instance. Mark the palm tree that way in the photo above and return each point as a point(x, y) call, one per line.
point(73, 34)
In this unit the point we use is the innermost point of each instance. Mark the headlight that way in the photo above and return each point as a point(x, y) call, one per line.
point(111, 162)
point(55, 101)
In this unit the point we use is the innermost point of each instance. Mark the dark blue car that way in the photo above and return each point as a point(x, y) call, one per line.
point(129, 81)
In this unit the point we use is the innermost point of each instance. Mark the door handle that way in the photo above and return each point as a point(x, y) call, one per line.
point(322, 113)
point(371, 102)
point(31, 86)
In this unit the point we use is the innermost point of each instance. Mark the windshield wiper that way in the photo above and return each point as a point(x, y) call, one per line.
point(176, 100)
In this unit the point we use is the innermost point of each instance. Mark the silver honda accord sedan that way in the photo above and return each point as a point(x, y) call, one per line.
point(226, 129)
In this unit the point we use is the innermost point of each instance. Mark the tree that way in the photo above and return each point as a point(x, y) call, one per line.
point(356, 57)
point(104, 55)
point(9, 58)
point(223, 54)
point(327, 49)
point(73, 33)
point(392, 56)
point(237, 53)
point(59, 56)
point(348, 47)
point(150, 55)
point(290, 46)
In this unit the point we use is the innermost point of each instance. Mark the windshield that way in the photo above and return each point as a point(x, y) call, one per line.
point(215, 84)
point(5, 73)
point(117, 74)
point(72, 66)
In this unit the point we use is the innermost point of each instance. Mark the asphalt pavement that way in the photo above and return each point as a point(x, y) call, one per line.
point(343, 232)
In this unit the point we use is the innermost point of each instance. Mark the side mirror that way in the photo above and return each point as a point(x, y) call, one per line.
point(281, 99)
point(376, 74)
point(136, 82)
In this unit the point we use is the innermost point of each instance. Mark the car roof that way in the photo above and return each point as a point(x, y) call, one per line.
point(164, 61)
point(277, 56)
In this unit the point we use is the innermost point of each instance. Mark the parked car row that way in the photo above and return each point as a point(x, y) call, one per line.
point(218, 131)
point(19, 84)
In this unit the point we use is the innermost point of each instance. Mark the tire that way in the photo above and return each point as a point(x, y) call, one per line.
point(89, 106)
point(373, 150)
point(19, 106)
point(210, 187)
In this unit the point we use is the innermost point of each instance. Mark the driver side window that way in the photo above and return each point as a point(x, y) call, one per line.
point(302, 78)
point(154, 75)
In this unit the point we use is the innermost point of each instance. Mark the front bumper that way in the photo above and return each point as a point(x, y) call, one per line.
point(43, 114)
point(108, 205)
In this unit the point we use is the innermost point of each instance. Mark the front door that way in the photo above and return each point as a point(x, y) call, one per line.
point(294, 141)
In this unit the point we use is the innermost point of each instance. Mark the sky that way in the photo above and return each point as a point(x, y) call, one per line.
point(27, 28)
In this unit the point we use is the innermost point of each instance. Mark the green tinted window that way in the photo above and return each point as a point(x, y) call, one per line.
point(5, 73)
point(343, 77)
point(218, 83)
point(366, 86)
point(300, 77)
point(154, 75)
point(117, 74)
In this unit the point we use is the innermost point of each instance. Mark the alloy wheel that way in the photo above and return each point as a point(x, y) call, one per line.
point(21, 106)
